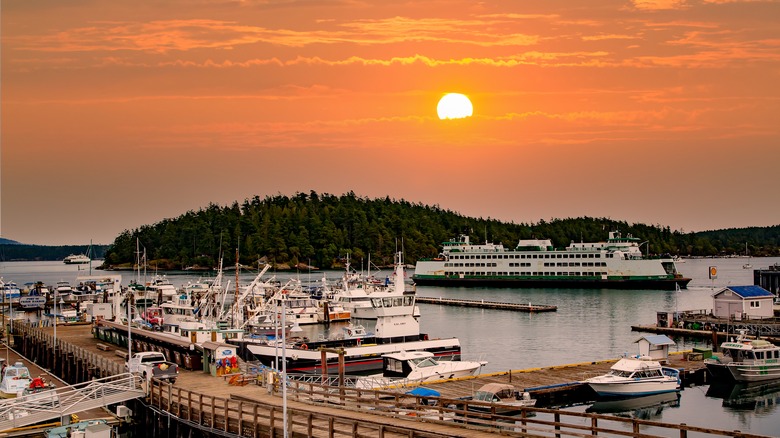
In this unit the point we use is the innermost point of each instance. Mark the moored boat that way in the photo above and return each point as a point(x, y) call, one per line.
point(414, 367)
point(504, 399)
point(15, 379)
point(396, 330)
point(746, 360)
point(616, 263)
point(634, 376)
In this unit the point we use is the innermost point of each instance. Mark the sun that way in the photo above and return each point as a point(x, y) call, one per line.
point(454, 106)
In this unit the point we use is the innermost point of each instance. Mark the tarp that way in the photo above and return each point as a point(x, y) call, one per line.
point(422, 391)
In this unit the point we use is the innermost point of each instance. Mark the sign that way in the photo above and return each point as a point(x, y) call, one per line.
point(713, 272)
point(32, 301)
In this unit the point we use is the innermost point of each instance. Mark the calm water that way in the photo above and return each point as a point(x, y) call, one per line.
point(589, 325)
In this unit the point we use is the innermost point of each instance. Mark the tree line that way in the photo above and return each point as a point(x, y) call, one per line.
point(322, 230)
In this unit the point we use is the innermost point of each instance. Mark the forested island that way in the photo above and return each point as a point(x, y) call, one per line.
point(322, 230)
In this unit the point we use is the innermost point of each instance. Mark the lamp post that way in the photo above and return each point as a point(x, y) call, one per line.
point(54, 368)
point(284, 370)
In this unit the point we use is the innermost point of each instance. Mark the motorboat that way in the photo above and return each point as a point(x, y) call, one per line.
point(634, 376)
point(10, 291)
point(15, 379)
point(76, 259)
point(504, 399)
point(746, 360)
point(414, 367)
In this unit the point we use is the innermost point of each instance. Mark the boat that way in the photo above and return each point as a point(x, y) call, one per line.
point(15, 379)
point(745, 360)
point(76, 259)
point(504, 399)
point(396, 330)
point(617, 263)
point(10, 291)
point(747, 265)
point(414, 367)
point(634, 376)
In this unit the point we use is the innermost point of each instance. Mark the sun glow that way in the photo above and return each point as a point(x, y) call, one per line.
point(454, 106)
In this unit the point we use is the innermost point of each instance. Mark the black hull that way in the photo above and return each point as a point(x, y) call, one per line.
point(358, 364)
point(570, 284)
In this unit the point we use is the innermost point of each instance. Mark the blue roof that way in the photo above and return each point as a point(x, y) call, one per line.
point(657, 340)
point(750, 291)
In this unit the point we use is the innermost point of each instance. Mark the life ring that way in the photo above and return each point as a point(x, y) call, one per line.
point(304, 347)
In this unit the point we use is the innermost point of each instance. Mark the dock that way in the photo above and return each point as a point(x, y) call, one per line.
point(252, 405)
point(484, 304)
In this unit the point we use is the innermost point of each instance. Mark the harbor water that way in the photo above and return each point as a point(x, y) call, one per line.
point(589, 325)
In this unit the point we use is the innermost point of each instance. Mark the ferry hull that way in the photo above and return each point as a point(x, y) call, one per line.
point(579, 283)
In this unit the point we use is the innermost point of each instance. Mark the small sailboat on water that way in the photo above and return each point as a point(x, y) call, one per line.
point(747, 253)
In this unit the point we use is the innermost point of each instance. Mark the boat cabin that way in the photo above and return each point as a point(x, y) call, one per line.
point(743, 302)
point(15, 378)
point(403, 363)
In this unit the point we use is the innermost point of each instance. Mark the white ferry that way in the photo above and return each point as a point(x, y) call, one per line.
point(616, 263)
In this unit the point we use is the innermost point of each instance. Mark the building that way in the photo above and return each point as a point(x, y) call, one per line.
point(655, 347)
point(743, 302)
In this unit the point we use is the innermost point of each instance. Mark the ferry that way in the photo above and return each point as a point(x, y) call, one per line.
point(76, 259)
point(617, 263)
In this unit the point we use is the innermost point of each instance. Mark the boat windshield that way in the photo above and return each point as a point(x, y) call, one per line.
point(424, 363)
point(621, 373)
point(486, 396)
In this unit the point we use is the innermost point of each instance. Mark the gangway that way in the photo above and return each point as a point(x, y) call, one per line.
point(67, 400)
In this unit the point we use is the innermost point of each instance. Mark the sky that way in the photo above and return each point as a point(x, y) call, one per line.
point(117, 114)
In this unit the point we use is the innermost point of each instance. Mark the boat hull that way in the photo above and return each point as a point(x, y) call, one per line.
point(577, 283)
point(632, 389)
point(755, 373)
point(363, 358)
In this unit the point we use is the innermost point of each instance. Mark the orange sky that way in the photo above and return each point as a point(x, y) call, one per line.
point(122, 113)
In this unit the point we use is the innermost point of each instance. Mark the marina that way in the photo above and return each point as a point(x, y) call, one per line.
point(554, 328)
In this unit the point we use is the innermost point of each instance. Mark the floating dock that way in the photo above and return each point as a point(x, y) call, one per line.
point(483, 304)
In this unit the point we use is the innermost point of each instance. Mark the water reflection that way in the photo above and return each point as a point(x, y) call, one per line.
point(759, 397)
point(648, 407)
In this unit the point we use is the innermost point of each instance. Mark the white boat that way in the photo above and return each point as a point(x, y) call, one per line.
point(616, 263)
point(76, 259)
point(504, 399)
point(747, 254)
point(634, 376)
point(396, 330)
point(15, 379)
point(10, 291)
point(746, 360)
point(414, 367)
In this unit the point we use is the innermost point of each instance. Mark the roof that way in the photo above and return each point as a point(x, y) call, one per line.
point(657, 340)
point(748, 291)
point(496, 387)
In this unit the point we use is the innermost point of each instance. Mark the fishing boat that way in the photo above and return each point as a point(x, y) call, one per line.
point(635, 376)
point(396, 330)
point(746, 360)
point(76, 259)
point(617, 263)
point(414, 367)
point(10, 291)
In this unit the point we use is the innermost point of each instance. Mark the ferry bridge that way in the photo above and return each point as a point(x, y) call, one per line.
point(59, 402)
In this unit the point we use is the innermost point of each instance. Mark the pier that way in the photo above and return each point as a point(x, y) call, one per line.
point(768, 278)
point(483, 304)
point(247, 404)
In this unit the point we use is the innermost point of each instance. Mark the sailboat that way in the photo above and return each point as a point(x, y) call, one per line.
point(747, 253)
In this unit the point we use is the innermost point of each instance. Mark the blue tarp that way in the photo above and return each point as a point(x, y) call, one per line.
point(422, 391)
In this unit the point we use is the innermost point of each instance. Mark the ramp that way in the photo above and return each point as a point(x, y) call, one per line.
point(48, 405)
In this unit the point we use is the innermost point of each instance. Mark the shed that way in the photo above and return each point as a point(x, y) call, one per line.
point(655, 346)
point(743, 302)
point(222, 358)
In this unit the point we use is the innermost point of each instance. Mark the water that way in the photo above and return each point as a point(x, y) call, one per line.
point(588, 325)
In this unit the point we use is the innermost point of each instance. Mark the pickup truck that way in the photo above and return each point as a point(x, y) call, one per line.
point(152, 364)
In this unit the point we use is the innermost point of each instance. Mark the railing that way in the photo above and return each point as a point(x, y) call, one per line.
point(58, 402)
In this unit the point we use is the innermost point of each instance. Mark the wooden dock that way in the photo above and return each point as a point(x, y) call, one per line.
point(251, 405)
point(484, 304)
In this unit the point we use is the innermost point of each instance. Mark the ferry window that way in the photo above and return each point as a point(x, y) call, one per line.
point(376, 302)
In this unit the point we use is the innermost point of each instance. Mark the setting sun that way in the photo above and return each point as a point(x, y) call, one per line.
point(454, 106)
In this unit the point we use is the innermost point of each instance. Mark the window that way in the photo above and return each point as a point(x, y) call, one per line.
point(755, 304)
